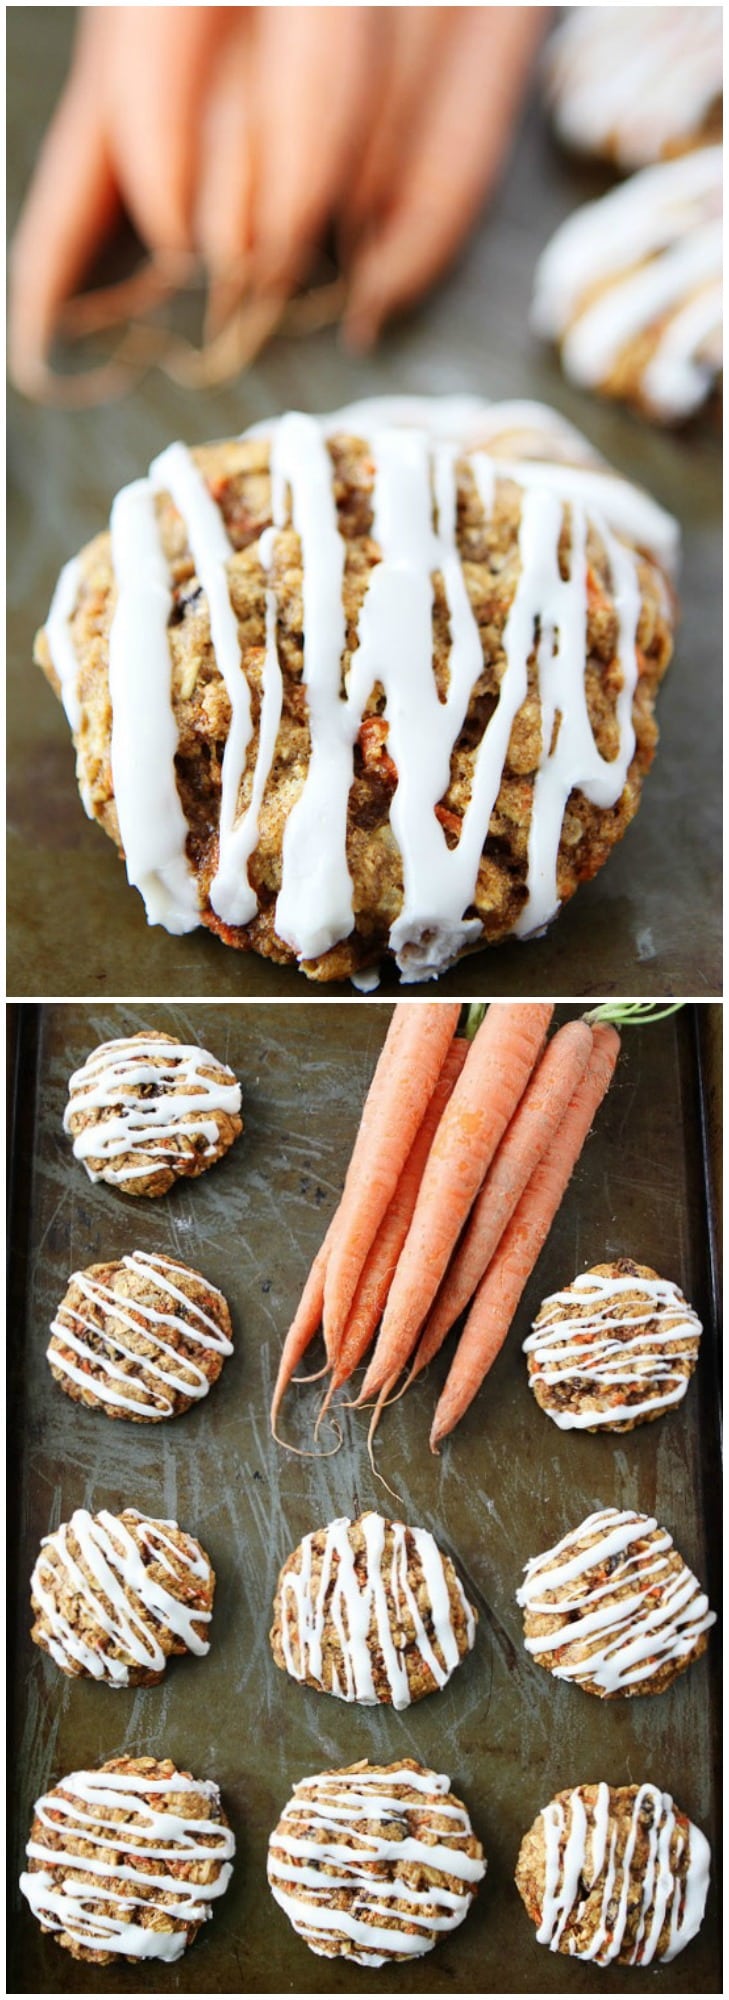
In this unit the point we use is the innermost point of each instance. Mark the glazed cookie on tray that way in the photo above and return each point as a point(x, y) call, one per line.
point(306, 674)
point(630, 288)
point(374, 1863)
point(614, 1607)
point(143, 1338)
point(614, 1875)
point(371, 1611)
point(634, 84)
point(162, 1853)
point(115, 1596)
point(615, 1349)
point(147, 1109)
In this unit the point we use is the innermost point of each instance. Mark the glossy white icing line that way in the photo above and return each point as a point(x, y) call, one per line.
point(110, 1579)
point(159, 1834)
point(635, 1634)
point(60, 642)
point(152, 824)
point(648, 255)
point(575, 1346)
point(359, 1609)
point(581, 1850)
point(110, 1077)
point(637, 78)
point(161, 1361)
point(359, 1802)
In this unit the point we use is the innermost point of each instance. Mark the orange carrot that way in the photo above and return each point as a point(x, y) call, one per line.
point(304, 1325)
point(500, 1290)
point(533, 1127)
point(498, 1066)
point(374, 1285)
point(406, 1075)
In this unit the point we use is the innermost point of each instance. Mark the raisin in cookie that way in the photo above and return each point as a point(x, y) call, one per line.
point(145, 1110)
point(614, 1875)
point(143, 1338)
point(115, 1596)
point(615, 1349)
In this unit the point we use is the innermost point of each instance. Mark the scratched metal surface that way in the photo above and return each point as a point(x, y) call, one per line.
point(651, 921)
point(507, 1485)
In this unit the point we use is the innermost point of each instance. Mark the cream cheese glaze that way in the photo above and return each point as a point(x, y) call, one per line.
point(581, 1845)
point(173, 1374)
point(634, 81)
point(415, 444)
point(111, 1078)
point(574, 1346)
point(110, 1582)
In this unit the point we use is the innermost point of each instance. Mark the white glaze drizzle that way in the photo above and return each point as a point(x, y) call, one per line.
point(639, 79)
point(152, 824)
point(345, 1803)
point(581, 1842)
point(654, 248)
point(360, 1610)
point(571, 1345)
point(635, 1635)
point(415, 443)
point(180, 1376)
point(150, 1125)
point(111, 1580)
point(160, 1834)
point(60, 640)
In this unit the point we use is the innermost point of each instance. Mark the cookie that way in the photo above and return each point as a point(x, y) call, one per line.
point(374, 1863)
point(635, 84)
point(614, 1875)
point(371, 1611)
point(613, 1607)
point(145, 1110)
point(617, 1348)
point(630, 289)
point(143, 1338)
point(162, 1853)
point(115, 1596)
point(384, 779)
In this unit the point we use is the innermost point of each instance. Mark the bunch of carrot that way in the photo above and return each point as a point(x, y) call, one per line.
point(462, 1157)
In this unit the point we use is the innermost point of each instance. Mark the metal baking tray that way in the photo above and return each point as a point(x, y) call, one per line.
point(651, 921)
point(506, 1485)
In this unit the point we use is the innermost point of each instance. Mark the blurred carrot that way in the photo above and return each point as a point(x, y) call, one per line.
point(533, 1127)
point(498, 1066)
point(410, 1063)
point(509, 1271)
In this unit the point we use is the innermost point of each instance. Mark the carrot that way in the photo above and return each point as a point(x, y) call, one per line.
point(304, 1325)
point(406, 1075)
point(379, 1270)
point(499, 1064)
point(532, 1128)
point(500, 1290)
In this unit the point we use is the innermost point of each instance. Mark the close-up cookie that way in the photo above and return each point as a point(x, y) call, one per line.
point(125, 1861)
point(615, 1349)
point(143, 1338)
point(147, 1109)
point(613, 1607)
point(614, 1875)
point(374, 1863)
point(371, 1611)
point(386, 776)
point(630, 289)
point(115, 1596)
point(635, 84)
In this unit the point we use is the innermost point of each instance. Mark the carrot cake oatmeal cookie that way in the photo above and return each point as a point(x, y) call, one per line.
point(143, 1338)
point(126, 1860)
point(635, 84)
point(630, 288)
point(374, 685)
point(614, 1875)
point(613, 1607)
point(374, 1863)
point(115, 1596)
point(371, 1611)
point(617, 1348)
point(146, 1110)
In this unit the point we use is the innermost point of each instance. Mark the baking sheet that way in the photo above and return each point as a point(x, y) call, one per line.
point(507, 1485)
point(651, 921)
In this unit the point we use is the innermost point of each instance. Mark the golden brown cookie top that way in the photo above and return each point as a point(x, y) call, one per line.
point(614, 1875)
point(617, 1347)
point(147, 1109)
point(115, 1596)
point(142, 1338)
